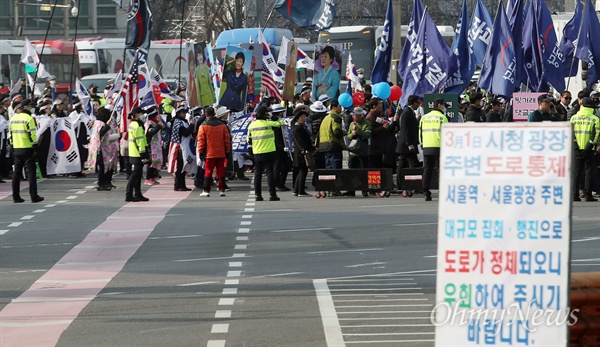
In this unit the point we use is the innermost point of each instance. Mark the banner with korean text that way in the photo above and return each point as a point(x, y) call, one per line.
point(504, 235)
point(523, 105)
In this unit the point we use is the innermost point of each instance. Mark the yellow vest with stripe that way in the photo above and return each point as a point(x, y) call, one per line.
point(586, 127)
point(430, 129)
point(23, 131)
point(261, 135)
point(137, 139)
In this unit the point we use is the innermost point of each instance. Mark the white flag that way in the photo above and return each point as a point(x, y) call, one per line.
point(36, 91)
point(30, 57)
point(352, 74)
point(283, 50)
point(63, 156)
point(114, 91)
point(276, 72)
point(84, 98)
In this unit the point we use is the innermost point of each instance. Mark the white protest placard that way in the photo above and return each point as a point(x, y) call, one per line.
point(504, 235)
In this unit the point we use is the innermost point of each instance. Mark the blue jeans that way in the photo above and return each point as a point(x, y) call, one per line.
point(333, 159)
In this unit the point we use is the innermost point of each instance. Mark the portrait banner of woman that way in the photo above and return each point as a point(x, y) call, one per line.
point(192, 88)
point(289, 85)
point(328, 65)
point(206, 92)
point(234, 84)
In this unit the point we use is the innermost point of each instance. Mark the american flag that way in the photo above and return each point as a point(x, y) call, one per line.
point(129, 95)
point(269, 83)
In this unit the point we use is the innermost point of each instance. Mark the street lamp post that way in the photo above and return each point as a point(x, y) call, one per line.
point(72, 8)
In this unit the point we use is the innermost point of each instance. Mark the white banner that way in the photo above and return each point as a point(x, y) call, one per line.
point(63, 156)
point(504, 235)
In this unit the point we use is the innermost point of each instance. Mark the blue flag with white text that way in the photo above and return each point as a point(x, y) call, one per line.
point(516, 18)
point(480, 33)
point(383, 62)
point(411, 36)
point(459, 80)
point(588, 46)
point(498, 72)
point(533, 67)
point(430, 61)
point(568, 40)
point(553, 57)
point(309, 14)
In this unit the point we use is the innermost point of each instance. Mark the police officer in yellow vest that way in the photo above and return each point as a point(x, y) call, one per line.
point(23, 138)
point(262, 139)
point(138, 155)
point(586, 127)
point(430, 131)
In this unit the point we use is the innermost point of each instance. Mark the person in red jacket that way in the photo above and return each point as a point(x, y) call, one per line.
point(214, 143)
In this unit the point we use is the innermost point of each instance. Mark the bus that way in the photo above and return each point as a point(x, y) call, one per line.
point(362, 42)
point(11, 69)
point(105, 55)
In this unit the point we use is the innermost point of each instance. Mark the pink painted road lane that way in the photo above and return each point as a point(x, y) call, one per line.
point(42, 313)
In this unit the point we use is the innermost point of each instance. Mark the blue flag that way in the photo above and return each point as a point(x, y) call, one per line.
point(498, 72)
point(139, 25)
point(553, 57)
point(383, 62)
point(567, 43)
point(411, 36)
point(459, 80)
point(588, 46)
point(430, 61)
point(309, 14)
point(532, 56)
point(480, 33)
point(516, 18)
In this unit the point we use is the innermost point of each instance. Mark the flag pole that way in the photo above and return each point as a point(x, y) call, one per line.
point(181, 41)
point(71, 81)
point(269, 17)
point(37, 68)
point(575, 46)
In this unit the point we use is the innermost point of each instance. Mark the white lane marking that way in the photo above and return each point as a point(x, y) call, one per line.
point(385, 295)
point(347, 250)
point(383, 334)
point(360, 306)
point(36, 324)
point(226, 301)
point(587, 239)
point(61, 201)
point(379, 206)
point(292, 230)
point(243, 230)
point(223, 314)
point(216, 343)
point(246, 223)
point(196, 284)
point(372, 279)
point(97, 280)
point(219, 328)
point(80, 192)
point(235, 264)
point(251, 200)
point(281, 210)
point(413, 273)
point(246, 216)
point(40, 210)
point(373, 312)
point(232, 282)
point(134, 217)
point(240, 247)
point(14, 224)
point(201, 259)
point(122, 231)
point(90, 187)
point(2, 232)
point(250, 204)
point(430, 256)
point(590, 259)
point(366, 264)
point(413, 224)
point(379, 300)
point(229, 291)
point(242, 238)
point(279, 275)
point(78, 298)
point(249, 209)
point(332, 284)
point(238, 255)
point(386, 325)
point(50, 205)
point(329, 317)
point(388, 318)
point(71, 197)
point(234, 273)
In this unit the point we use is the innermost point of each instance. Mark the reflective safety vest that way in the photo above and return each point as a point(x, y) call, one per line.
point(137, 139)
point(23, 131)
point(430, 129)
point(261, 135)
point(586, 127)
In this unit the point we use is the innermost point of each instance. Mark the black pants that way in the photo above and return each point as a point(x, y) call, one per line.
point(429, 164)
point(584, 166)
point(376, 161)
point(408, 160)
point(264, 162)
point(25, 158)
point(134, 184)
point(299, 176)
point(358, 162)
point(151, 173)
point(180, 175)
point(282, 168)
point(102, 177)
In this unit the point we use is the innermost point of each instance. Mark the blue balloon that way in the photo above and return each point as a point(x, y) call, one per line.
point(382, 90)
point(345, 100)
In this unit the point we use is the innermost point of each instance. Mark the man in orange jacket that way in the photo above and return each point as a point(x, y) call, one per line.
point(214, 143)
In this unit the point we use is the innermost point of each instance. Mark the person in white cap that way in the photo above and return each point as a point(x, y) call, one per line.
point(58, 109)
point(325, 100)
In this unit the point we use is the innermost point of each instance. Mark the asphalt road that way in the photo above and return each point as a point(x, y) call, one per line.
point(84, 268)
